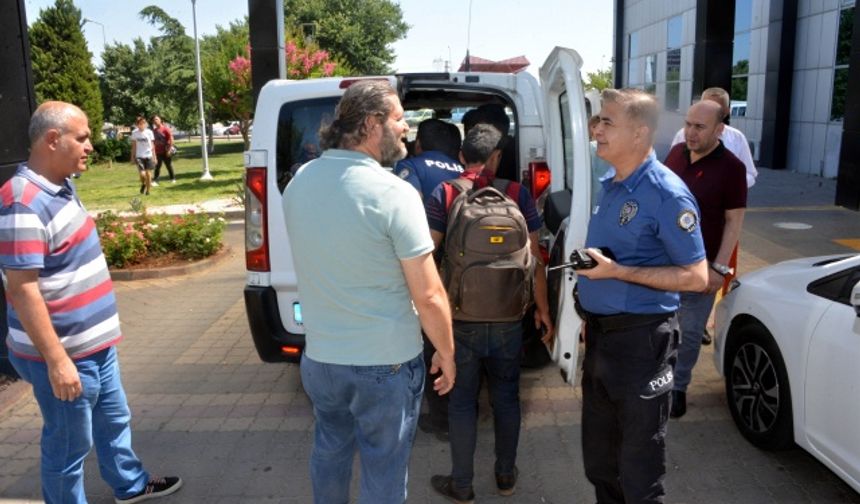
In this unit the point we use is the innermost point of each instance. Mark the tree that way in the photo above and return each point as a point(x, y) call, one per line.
point(357, 32)
point(124, 79)
point(62, 65)
point(228, 72)
point(173, 80)
point(599, 80)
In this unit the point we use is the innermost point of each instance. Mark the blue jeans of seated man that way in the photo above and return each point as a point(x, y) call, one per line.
point(99, 416)
point(692, 318)
point(372, 408)
point(495, 347)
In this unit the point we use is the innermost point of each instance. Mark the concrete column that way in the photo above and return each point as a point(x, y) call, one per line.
point(779, 76)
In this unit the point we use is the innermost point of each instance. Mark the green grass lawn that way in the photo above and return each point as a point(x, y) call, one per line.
point(102, 187)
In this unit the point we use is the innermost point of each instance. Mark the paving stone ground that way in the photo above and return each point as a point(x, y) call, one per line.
point(239, 431)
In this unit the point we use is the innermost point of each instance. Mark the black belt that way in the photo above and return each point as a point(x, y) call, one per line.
point(609, 323)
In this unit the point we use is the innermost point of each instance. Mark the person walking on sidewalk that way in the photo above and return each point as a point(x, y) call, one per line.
point(492, 269)
point(164, 149)
point(364, 266)
point(62, 316)
point(717, 179)
point(143, 153)
point(647, 219)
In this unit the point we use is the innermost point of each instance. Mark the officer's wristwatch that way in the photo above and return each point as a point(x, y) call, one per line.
point(722, 269)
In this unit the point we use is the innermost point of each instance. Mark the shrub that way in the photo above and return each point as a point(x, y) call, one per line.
point(190, 236)
point(111, 149)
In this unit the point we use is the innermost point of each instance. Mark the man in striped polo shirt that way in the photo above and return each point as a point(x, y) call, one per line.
point(62, 315)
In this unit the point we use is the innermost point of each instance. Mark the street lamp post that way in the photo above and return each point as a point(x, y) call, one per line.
point(206, 174)
point(104, 39)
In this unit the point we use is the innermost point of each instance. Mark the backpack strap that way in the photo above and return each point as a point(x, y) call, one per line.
point(454, 188)
point(509, 188)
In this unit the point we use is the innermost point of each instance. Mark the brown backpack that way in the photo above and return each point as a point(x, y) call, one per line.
point(487, 268)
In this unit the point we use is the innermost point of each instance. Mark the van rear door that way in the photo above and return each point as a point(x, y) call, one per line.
point(569, 203)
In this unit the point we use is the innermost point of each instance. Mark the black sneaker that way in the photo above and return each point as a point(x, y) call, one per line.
point(706, 338)
point(679, 404)
point(426, 425)
point(142, 188)
point(507, 483)
point(155, 488)
point(445, 486)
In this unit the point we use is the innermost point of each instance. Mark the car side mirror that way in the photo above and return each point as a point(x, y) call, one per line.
point(855, 298)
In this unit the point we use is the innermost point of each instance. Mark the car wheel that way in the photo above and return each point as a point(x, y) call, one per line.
point(757, 388)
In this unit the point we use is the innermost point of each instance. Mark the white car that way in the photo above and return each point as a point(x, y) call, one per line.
point(788, 345)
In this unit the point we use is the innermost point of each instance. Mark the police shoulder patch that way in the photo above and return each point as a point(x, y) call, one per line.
point(404, 173)
point(688, 220)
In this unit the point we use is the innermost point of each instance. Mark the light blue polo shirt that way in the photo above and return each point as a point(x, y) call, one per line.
point(648, 219)
point(350, 223)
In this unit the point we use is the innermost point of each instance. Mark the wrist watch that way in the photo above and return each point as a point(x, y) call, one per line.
point(722, 269)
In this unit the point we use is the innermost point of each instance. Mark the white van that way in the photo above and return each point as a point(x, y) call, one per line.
point(552, 151)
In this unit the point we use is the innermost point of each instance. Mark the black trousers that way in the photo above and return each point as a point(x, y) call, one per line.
point(626, 385)
point(437, 405)
point(162, 158)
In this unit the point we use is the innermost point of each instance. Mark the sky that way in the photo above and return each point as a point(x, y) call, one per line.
point(439, 31)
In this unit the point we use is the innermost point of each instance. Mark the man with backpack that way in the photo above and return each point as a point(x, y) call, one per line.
point(492, 271)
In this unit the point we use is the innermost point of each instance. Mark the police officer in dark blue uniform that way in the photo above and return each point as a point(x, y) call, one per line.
point(437, 146)
point(648, 222)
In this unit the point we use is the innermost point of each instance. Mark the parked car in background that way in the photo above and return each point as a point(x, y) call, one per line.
point(414, 117)
point(233, 129)
point(788, 345)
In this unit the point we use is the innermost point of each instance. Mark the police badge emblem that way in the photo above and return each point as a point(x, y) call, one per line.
point(688, 221)
point(628, 211)
point(404, 173)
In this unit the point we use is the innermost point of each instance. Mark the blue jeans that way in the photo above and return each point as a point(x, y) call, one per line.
point(692, 317)
point(373, 408)
point(99, 416)
point(495, 347)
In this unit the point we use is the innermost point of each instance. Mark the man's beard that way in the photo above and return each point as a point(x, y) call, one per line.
point(391, 148)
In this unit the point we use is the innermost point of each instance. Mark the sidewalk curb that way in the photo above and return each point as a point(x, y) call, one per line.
point(184, 269)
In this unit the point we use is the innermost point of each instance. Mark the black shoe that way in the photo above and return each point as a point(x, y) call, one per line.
point(445, 486)
point(426, 425)
point(155, 488)
point(142, 188)
point(507, 484)
point(679, 404)
point(706, 338)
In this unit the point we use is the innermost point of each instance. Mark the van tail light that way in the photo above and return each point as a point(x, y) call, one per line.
point(256, 221)
point(539, 177)
point(544, 253)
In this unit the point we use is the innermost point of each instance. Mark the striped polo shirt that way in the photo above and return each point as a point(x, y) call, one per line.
point(44, 227)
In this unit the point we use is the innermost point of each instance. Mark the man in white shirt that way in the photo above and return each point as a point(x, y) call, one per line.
point(733, 139)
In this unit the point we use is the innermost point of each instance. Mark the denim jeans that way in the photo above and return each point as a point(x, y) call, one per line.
point(99, 416)
point(372, 408)
point(495, 347)
point(692, 317)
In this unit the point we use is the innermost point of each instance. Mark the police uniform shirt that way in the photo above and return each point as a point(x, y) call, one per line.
point(648, 219)
point(427, 170)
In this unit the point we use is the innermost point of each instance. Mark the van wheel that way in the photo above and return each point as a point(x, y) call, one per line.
point(757, 388)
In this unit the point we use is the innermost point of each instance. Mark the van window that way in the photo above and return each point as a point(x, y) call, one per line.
point(567, 140)
point(298, 134)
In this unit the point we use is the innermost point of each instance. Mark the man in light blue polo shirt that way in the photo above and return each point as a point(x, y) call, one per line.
point(363, 257)
point(648, 222)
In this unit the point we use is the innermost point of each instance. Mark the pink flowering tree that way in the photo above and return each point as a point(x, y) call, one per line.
point(302, 63)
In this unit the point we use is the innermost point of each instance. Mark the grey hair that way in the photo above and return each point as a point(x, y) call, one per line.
point(51, 115)
point(638, 106)
point(361, 100)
